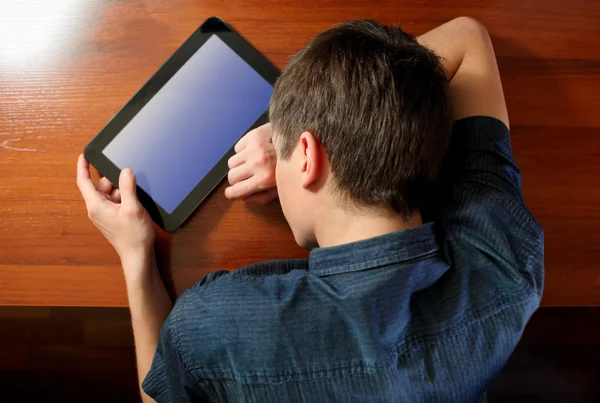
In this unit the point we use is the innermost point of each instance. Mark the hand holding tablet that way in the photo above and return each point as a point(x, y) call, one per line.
point(117, 213)
point(178, 131)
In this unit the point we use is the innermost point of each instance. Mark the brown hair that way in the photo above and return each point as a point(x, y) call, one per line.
point(378, 102)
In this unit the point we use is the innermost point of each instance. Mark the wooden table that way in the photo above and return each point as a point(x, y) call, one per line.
point(67, 66)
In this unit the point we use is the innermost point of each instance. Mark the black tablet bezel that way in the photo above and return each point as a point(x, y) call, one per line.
point(94, 150)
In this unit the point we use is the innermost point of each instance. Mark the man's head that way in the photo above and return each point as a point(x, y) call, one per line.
point(361, 120)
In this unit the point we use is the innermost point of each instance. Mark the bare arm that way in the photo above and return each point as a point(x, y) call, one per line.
point(150, 305)
point(121, 218)
point(470, 64)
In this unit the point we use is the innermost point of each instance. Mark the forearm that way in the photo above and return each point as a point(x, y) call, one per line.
point(449, 42)
point(150, 305)
point(469, 61)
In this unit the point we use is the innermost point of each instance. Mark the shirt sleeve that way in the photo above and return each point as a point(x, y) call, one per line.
point(169, 380)
point(480, 153)
point(480, 206)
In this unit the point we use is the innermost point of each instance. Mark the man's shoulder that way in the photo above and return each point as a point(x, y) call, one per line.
point(217, 292)
point(233, 314)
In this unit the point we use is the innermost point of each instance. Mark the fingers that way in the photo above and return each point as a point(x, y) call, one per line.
point(104, 186)
point(238, 174)
point(110, 192)
point(252, 168)
point(237, 160)
point(263, 197)
point(129, 200)
point(262, 132)
point(84, 182)
point(116, 195)
point(242, 189)
point(240, 145)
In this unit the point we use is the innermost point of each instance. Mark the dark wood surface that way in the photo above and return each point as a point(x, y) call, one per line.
point(87, 355)
point(67, 67)
point(67, 355)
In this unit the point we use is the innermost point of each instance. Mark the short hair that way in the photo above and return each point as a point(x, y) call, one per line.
point(378, 102)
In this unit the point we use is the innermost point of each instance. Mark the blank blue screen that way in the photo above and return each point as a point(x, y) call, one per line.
point(187, 127)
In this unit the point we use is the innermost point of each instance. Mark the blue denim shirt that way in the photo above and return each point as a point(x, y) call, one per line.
point(429, 314)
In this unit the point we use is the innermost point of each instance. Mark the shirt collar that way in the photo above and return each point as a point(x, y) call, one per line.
point(392, 248)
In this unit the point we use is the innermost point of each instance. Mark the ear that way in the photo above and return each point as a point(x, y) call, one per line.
point(312, 163)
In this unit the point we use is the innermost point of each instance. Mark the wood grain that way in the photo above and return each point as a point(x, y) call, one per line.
point(68, 66)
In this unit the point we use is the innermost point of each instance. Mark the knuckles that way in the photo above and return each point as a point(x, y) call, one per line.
point(264, 157)
point(269, 178)
point(93, 209)
point(131, 212)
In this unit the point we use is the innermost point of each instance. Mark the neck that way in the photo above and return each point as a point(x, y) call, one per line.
point(341, 226)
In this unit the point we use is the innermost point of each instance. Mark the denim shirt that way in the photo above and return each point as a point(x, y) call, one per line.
point(429, 314)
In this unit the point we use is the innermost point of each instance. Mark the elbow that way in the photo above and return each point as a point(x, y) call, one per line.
point(472, 26)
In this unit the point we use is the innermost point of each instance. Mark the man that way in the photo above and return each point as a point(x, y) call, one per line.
point(424, 269)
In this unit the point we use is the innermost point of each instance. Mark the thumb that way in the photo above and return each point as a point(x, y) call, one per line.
point(129, 198)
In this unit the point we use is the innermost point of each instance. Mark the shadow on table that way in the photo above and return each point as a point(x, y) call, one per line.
point(182, 269)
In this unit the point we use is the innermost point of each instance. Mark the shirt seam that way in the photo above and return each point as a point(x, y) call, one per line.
point(243, 277)
point(514, 204)
point(518, 196)
point(159, 395)
point(383, 262)
point(176, 347)
point(477, 316)
point(532, 226)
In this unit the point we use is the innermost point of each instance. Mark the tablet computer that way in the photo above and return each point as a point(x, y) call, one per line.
point(179, 129)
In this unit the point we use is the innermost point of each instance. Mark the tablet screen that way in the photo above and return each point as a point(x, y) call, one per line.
point(190, 123)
